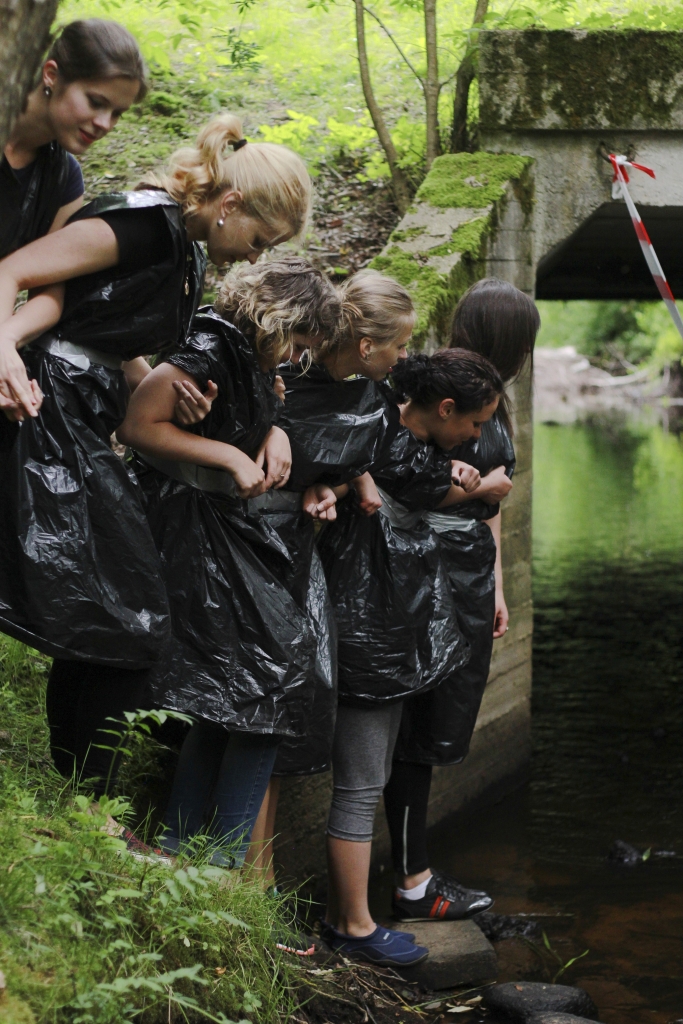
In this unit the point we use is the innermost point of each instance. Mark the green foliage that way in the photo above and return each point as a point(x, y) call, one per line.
point(613, 334)
point(471, 180)
point(294, 133)
point(90, 936)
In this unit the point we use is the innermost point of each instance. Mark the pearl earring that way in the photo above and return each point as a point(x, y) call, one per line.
point(220, 222)
point(47, 90)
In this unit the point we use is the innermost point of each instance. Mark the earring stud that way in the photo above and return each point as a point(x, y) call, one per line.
point(47, 90)
point(220, 222)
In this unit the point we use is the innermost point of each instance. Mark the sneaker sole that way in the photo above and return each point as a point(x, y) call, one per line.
point(435, 920)
point(386, 962)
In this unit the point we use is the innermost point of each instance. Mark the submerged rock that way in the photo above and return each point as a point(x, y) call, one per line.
point(558, 1018)
point(623, 853)
point(523, 1001)
point(505, 926)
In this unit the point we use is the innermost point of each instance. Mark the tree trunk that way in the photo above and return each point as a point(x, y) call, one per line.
point(398, 178)
point(432, 88)
point(467, 71)
point(24, 35)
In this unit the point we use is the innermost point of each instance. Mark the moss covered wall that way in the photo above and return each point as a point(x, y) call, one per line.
point(577, 80)
point(441, 245)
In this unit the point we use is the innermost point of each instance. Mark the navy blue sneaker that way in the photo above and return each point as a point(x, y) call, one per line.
point(408, 936)
point(383, 947)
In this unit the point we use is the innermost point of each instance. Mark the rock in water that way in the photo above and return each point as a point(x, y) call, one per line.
point(624, 853)
point(558, 1018)
point(520, 1002)
point(504, 926)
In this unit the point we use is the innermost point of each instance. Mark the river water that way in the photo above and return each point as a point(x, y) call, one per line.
point(607, 727)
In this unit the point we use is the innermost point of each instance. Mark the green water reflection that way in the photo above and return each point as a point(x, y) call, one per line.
point(608, 490)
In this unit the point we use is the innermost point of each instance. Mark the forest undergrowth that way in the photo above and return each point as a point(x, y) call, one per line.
point(89, 935)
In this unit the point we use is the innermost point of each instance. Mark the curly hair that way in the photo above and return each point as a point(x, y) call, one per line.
point(374, 307)
point(466, 377)
point(270, 301)
point(271, 179)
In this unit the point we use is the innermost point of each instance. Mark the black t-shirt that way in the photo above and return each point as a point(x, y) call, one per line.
point(143, 239)
point(72, 188)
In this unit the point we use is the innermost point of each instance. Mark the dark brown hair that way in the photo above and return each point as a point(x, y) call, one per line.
point(97, 49)
point(500, 322)
point(466, 377)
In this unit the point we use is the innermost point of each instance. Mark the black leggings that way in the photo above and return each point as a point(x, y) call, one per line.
point(80, 697)
point(406, 798)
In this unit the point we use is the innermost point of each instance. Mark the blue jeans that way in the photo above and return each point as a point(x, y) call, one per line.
point(219, 786)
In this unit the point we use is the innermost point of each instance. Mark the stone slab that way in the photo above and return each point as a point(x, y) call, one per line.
point(459, 954)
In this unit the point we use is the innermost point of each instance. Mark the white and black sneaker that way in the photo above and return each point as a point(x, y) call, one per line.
point(444, 900)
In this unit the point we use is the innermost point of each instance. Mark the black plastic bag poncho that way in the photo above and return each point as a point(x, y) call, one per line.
point(337, 429)
point(398, 630)
point(23, 219)
point(80, 578)
point(242, 652)
point(436, 727)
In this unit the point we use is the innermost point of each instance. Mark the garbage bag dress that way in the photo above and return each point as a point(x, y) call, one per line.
point(80, 578)
point(25, 218)
point(436, 727)
point(242, 652)
point(398, 629)
point(337, 430)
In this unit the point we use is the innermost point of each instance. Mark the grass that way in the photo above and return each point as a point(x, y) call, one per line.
point(90, 936)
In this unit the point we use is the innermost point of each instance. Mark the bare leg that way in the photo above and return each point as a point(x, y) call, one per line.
point(259, 856)
point(348, 866)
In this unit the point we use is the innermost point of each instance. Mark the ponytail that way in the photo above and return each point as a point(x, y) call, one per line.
point(271, 179)
point(374, 307)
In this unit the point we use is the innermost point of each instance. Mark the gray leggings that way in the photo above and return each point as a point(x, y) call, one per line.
point(364, 742)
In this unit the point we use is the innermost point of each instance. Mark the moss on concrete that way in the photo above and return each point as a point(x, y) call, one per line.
point(467, 239)
point(470, 179)
point(581, 80)
point(437, 275)
point(404, 236)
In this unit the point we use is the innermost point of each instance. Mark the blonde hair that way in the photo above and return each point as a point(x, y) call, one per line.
point(273, 300)
point(374, 307)
point(272, 180)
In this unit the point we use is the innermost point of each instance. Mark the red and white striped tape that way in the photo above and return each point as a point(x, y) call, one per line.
point(620, 179)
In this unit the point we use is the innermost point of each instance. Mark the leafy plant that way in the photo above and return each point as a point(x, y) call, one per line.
point(547, 950)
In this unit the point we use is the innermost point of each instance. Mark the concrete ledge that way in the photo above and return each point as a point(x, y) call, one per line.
point(459, 954)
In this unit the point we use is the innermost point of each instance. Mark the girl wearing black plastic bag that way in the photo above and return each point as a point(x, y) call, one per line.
point(92, 74)
point(242, 653)
point(500, 322)
point(80, 577)
point(396, 622)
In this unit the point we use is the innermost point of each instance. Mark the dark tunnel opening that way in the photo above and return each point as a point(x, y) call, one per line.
point(602, 259)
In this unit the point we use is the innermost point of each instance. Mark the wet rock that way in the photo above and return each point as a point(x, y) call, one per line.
point(558, 1018)
point(522, 1002)
point(624, 853)
point(505, 926)
point(459, 954)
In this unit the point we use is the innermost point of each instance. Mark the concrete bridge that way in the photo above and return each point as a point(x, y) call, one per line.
point(534, 206)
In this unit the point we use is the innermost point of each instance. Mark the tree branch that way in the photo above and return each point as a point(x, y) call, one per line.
point(403, 56)
point(464, 77)
point(398, 178)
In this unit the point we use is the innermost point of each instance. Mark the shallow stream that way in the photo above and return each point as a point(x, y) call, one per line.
point(607, 728)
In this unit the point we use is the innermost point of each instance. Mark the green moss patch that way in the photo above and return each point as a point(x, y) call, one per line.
point(581, 80)
point(470, 179)
point(467, 239)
